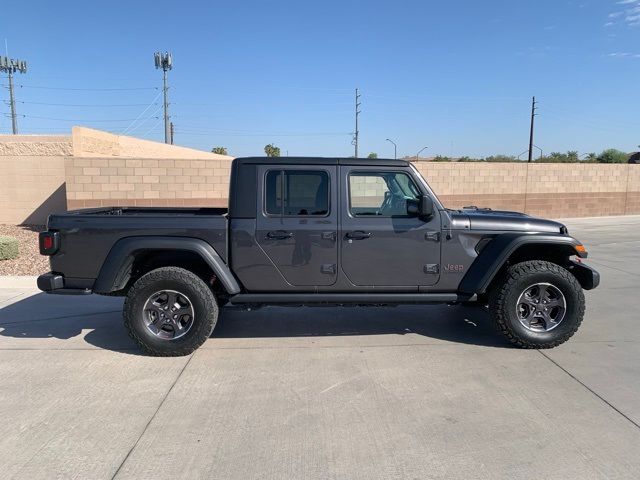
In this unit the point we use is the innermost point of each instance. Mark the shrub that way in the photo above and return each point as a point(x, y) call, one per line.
point(501, 158)
point(441, 158)
point(8, 248)
point(613, 156)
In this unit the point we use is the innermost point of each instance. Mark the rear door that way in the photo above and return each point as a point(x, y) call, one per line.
point(381, 245)
point(297, 224)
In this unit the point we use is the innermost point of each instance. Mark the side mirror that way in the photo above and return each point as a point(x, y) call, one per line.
point(421, 207)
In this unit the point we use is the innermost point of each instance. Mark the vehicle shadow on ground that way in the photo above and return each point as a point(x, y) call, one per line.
point(459, 324)
point(97, 321)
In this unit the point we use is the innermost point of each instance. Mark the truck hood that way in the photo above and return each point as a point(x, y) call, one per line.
point(501, 220)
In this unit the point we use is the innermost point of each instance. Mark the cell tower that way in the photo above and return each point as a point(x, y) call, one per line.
point(11, 66)
point(165, 62)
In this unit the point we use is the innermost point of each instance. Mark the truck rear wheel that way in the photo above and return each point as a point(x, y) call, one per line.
point(170, 312)
point(537, 304)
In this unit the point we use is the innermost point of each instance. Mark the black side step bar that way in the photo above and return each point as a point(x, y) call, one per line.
point(340, 298)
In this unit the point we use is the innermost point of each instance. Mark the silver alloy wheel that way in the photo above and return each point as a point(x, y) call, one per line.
point(168, 314)
point(541, 307)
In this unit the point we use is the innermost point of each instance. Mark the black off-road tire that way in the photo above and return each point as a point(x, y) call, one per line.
point(200, 295)
point(504, 295)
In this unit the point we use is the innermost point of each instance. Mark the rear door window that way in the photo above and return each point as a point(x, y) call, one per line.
point(297, 193)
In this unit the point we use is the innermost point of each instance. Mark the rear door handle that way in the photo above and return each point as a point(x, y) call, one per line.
point(279, 235)
point(358, 235)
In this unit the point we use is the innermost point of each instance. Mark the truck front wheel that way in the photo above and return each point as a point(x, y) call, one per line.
point(170, 312)
point(537, 304)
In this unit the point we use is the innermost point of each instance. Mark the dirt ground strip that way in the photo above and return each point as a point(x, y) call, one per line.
point(29, 261)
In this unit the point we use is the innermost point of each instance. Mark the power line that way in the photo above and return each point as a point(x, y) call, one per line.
point(87, 89)
point(84, 104)
point(266, 134)
point(142, 113)
point(77, 119)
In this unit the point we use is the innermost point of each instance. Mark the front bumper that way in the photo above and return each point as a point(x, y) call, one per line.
point(54, 283)
point(588, 277)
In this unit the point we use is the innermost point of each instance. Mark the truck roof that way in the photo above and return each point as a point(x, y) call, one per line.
point(383, 162)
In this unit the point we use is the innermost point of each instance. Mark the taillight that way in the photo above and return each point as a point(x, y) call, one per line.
point(49, 242)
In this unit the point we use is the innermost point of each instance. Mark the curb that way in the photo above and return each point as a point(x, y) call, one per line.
point(18, 282)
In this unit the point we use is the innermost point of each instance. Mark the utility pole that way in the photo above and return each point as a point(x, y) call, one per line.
point(165, 62)
point(533, 115)
point(357, 133)
point(11, 66)
point(171, 125)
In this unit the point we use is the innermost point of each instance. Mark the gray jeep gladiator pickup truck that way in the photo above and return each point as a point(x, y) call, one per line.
point(318, 231)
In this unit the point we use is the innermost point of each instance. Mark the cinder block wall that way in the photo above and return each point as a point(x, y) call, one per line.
point(32, 177)
point(97, 182)
point(550, 190)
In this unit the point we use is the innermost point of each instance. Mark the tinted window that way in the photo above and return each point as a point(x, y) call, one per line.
point(383, 194)
point(297, 193)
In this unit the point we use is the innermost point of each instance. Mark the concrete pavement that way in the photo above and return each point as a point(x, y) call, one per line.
point(406, 392)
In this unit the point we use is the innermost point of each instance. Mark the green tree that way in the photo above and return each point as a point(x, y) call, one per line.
point(219, 150)
point(441, 158)
point(612, 155)
point(372, 155)
point(271, 150)
point(591, 158)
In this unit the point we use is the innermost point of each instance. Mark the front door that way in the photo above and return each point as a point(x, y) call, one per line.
point(297, 227)
point(381, 244)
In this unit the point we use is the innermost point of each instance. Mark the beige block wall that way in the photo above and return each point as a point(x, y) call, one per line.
point(32, 187)
point(96, 182)
point(88, 142)
point(550, 190)
point(32, 177)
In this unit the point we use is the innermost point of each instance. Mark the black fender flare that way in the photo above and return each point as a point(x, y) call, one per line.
point(122, 254)
point(497, 252)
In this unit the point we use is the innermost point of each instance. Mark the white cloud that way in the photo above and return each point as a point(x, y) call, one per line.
point(629, 14)
point(623, 55)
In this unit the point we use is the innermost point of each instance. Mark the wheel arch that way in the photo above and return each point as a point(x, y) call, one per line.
point(509, 248)
point(118, 267)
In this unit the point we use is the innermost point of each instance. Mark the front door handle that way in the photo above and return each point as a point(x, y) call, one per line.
point(279, 235)
point(358, 235)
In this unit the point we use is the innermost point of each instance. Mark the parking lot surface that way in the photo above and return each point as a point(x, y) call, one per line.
point(344, 393)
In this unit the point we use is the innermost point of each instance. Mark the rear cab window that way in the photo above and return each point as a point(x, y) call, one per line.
point(296, 193)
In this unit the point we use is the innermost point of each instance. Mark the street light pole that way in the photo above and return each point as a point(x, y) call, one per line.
point(419, 152)
point(395, 148)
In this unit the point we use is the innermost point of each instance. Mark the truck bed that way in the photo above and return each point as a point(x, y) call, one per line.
point(95, 231)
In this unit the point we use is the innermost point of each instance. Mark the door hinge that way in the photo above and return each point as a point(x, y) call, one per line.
point(432, 268)
point(432, 236)
point(329, 268)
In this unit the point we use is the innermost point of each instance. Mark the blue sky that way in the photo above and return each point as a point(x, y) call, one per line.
point(456, 76)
